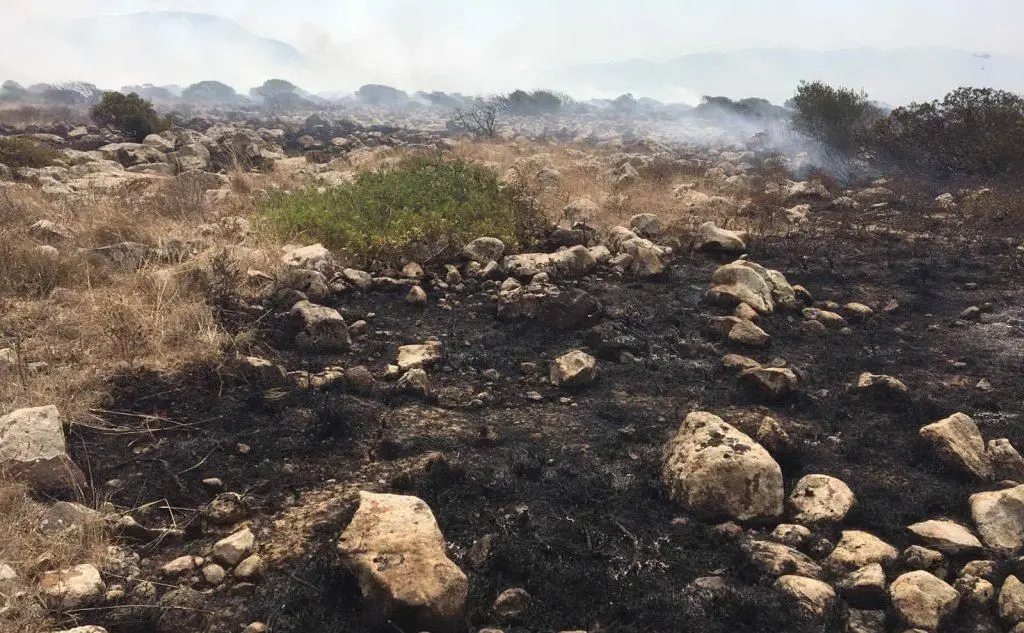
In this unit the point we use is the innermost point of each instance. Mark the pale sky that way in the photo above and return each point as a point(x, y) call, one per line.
point(410, 41)
point(600, 30)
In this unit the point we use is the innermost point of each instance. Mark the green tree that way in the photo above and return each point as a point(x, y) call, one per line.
point(128, 113)
point(838, 117)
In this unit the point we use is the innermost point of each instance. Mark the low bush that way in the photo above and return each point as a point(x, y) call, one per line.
point(972, 131)
point(424, 208)
point(840, 118)
point(18, 151)
point(130, 114)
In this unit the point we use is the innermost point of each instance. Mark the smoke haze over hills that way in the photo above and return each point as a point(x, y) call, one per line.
point(649, 48)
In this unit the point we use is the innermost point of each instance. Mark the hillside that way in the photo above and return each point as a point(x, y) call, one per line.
point(152, 47)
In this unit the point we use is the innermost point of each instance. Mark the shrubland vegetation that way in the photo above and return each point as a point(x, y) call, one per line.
point(130, 114)
point(425, 206)
point(16, 151)
point(971, 131)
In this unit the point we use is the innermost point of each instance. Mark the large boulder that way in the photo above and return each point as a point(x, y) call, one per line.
point(744, 281)
point(814, 596)
point(858, 549)
point(313, 257)
point(420, 356)
point(575, 369)
point(958, 442)
point(484, 249)
point(1006, 462)
point(776, 559)
point(946, 536)
point(397, 552)
point(820, 498)
point(712, 238)
point(32, 449)
point(923, 601)
point(718, 472)
point(1011, 601)
point(322, 328)
point(771, 383)
point(73, 588)
point(999, 517)
point(568, 264)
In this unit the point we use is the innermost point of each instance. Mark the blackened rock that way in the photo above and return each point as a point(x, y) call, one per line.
point(571, 309)
point(609, 340)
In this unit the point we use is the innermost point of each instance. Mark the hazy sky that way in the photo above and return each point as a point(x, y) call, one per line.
point(492, 43)
point(596, 30)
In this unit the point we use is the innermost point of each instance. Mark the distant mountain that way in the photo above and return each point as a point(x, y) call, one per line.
point(153, 47)
point(892, 76)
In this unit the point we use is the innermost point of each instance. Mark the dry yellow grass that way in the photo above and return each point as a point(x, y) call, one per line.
point(29, 551)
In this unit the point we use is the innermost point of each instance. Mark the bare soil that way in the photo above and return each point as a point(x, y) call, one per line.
point(568, 492)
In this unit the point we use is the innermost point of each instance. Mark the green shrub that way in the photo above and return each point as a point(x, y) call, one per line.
point(425, 208)
point(971, 131)
point(838, 117)
point(18, 151)
point(130, 113)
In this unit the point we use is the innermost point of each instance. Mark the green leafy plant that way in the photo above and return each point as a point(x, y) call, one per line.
point(128, 113)
point(424, 208)
point(838, 117)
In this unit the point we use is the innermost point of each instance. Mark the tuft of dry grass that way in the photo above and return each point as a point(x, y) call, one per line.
point(29, 552)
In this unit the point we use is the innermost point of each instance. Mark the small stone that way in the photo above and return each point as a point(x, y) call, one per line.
point(512, 604)
point(412, 270)
point(881, 384)
point(813, 328)
point(975, 591)
point(256, 627)
point(858, 621)
point(864, 587)
point(791, 535)
point(213, 483)
point(924, 559)
point(213, 574)
point(178, 567)
point(972, 313)
point(417, 296)
point(814, 596)
point(820, 498)
point(528, 368)
point(250, 569)
point(746, 333)
point(858, 311)
point(234, 548)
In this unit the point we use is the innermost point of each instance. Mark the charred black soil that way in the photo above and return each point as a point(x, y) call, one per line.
point(561, 496)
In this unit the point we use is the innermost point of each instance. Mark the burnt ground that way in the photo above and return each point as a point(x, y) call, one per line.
point(567, 493)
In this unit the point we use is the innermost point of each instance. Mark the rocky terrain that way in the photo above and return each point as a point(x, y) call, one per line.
point(724, 394)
